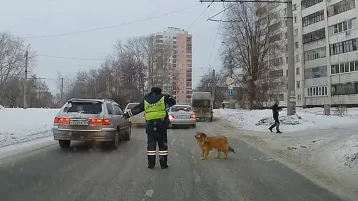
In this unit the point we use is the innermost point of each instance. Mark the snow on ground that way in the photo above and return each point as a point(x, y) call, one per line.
point(325, 147)
point(19, 125)
point(306, 119)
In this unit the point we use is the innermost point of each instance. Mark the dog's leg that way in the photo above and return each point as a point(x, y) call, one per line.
point(218, 154)
point(225, 152)
point(206, 154)
point(202, 153)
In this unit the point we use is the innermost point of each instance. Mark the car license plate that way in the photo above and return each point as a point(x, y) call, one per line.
point(79, 122)
point(182, 116)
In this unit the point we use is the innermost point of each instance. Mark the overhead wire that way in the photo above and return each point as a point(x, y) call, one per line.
point(111, 26)
point(217, 33)
point(70, 58)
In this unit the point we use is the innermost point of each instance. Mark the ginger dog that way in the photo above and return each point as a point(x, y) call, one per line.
point(208, 143)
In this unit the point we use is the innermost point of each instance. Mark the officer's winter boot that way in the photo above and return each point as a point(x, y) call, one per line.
point(151, 162)
point(163, 161)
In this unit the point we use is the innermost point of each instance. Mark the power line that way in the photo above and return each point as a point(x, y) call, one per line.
point(112, 26)
point(71, 58)
point(216, 36)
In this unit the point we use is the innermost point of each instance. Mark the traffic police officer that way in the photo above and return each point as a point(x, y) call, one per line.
point(157, 123)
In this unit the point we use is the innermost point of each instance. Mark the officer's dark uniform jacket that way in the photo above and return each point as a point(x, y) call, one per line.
point(157, 122)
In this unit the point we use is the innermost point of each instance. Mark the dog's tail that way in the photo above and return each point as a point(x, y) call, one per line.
point(231, 149)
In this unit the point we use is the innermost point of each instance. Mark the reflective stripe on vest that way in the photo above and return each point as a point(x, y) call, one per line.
point(155, 110)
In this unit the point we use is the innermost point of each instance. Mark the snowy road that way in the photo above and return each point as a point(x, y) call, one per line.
point(90, 173)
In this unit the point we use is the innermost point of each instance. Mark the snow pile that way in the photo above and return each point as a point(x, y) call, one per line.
point(1, 107)
point(285, 120)
point(22, 125)
point(260, 120)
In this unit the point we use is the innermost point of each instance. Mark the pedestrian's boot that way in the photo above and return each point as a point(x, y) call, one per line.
point(151, 161)
point(163, 161)
point(279, 132)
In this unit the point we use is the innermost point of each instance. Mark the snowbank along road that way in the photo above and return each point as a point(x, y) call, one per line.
point(89, 172)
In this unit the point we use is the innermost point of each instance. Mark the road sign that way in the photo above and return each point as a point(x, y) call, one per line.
point(230, 87)
point(229, 80)
point(230, 92)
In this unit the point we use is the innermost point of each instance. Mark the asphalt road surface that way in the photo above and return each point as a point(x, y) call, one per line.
point(92, 173)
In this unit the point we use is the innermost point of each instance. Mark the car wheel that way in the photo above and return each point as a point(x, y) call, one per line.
point(211, 119)
point(64, 143)
point(128, 134)
point(194, 125)
point(115, 142)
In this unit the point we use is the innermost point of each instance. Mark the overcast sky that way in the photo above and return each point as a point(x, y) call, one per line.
point(29, 18)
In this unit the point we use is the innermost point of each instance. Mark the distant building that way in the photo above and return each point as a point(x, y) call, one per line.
point(181, 62)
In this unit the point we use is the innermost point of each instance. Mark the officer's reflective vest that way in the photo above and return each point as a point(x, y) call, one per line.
point(155, 110)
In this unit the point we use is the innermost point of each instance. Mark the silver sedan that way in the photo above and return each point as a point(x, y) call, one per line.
point(182, 115)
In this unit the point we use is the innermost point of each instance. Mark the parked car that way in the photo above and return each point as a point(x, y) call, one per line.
point(91, 120)
point(137, 120)
point(182, 115)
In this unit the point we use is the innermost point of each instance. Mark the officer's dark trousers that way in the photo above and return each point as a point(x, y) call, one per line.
point(157, 134)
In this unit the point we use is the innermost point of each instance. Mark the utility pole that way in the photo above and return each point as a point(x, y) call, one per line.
point(62, 90)
point(25, 80)
point(213, 85)
point(291, 95)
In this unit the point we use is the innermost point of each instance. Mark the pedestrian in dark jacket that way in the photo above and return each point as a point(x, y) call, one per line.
point(275, 110)
point(157, 122)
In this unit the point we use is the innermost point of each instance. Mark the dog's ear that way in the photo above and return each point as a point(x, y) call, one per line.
point(202, 135)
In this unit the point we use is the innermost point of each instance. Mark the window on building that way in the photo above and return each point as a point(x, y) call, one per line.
point(315, 54)
point(309, 3)
point(313, 18)
point(317, 91)
point(286, 35)
point(345, 88)
point(295, 19)
point(296, 45)
point(344, 67)
point(276, 73)
point(317, 72)
point(340, 7)
point(344, 46)
point(296, 32)
point(342, 26)
point(299, 97)
point(297, 70)
point(275, 38)
point(286, 60)
point(297, 57)
point(314, 36)
point(277, 61)
point(298, 84)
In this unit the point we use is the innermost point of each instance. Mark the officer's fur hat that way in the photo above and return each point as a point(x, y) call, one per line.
point(156, 90)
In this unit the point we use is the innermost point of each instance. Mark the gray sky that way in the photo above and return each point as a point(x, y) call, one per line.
point(28, 18)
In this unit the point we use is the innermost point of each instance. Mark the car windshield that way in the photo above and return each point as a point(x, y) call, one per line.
point(132, 105)
point(83, 107)
point(180, 108)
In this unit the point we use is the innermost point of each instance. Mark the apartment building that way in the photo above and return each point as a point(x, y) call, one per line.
point(329, 50)
point(326, 56)
point(278, 58)
point(180, 84)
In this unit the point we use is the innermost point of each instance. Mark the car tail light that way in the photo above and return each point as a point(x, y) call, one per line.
point(99, 121)
point(61, 120)
point(171, 116)
point(192, 116)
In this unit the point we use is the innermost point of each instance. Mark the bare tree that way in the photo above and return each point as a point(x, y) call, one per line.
point(12, 61)
point(250, 32)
